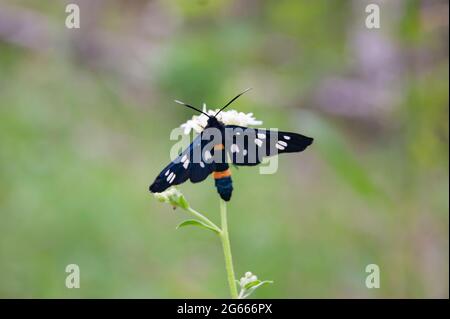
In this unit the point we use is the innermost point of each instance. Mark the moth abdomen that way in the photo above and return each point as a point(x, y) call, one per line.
point(224, 184)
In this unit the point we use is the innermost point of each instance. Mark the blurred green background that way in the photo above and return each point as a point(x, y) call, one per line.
point(85, 118)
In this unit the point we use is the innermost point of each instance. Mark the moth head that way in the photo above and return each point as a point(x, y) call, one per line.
point(214, 122)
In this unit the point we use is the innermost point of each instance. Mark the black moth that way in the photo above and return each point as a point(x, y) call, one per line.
point(219, 144)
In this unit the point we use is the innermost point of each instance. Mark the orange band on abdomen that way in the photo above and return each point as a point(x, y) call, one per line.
point(219, 175)
point(218, 147)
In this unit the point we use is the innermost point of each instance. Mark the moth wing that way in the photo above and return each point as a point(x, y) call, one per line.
point(247, 146)
point(188, 165)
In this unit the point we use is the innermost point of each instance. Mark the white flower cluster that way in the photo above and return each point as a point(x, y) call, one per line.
point(249, 283)
point(231, 117)
point(247, 279)
point(173, 197)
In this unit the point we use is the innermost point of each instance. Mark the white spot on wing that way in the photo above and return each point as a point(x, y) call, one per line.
point(282, 143)
point(207, 155)
point(184, 158)
point(167, 172)
point(244, 152)
point(173, 177)
point(170, 177)
point(186, 164)
point(280, 147)
point(287, 138)
point(234, 148)
point(261, 135)
point(202, 164)
point(258, 142)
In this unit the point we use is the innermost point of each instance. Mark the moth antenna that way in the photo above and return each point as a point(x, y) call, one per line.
point(232, 100)
point(191, 107)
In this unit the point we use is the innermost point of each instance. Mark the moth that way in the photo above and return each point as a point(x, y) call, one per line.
point(219, 145)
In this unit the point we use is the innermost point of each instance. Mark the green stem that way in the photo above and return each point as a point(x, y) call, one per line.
point(227, 250)
point(204, 219)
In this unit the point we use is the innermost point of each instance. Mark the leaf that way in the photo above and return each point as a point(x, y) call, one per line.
point(253, 286)
point(195, 222)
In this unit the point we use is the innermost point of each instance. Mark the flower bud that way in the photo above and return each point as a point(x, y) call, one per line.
point(173, 197)
point(249, 283)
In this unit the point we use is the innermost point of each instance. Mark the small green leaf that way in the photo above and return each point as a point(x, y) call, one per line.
point(263, 283)
point(195, 222)
point(252, 284)
point(252, 287)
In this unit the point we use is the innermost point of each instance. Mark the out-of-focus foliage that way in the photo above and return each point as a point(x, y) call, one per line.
point(85, 117)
